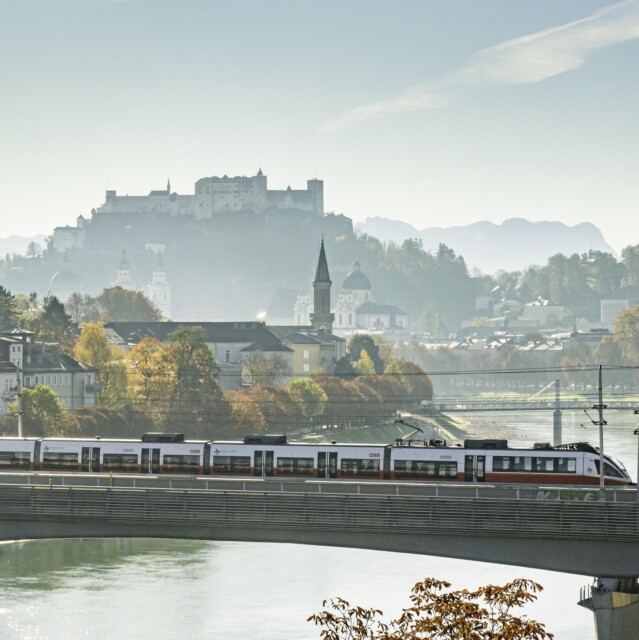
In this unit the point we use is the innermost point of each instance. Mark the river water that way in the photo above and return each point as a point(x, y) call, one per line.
point(168, 590)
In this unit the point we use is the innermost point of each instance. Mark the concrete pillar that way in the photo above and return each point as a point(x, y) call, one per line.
point(615, 603)
point(556, 428)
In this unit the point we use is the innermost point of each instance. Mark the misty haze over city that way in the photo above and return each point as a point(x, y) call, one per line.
point(318, 245)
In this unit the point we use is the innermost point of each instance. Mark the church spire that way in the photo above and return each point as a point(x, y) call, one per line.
point(322, 318)
point(321, 273)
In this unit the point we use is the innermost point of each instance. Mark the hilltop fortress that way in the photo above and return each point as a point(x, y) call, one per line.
point(213, 197)
point(226, 249)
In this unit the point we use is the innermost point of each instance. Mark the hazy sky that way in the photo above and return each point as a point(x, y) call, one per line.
point(439, 113)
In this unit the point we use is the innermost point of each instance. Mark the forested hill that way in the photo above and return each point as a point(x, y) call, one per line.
point(513, 245)
point(234, 269)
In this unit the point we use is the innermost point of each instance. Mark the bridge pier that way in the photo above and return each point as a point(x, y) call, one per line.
point(615, 603)
point(556, 428)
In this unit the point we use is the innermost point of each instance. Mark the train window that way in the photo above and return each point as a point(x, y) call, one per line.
point(14, 460)
point(181, 464)
point(419, 469)
point(295, 466)
point(566, 465)
point(120, 462)
point(357, 467)
point(232, 464)
point(67, 461)
point(502, 463)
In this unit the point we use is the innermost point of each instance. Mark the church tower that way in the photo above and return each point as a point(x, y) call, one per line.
point(124, 278)
point(322, 318)
point(158, 291)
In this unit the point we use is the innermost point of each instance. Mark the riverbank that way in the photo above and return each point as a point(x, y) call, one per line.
point(441, 427)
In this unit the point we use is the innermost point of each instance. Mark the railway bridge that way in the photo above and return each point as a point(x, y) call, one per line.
point(582, 531)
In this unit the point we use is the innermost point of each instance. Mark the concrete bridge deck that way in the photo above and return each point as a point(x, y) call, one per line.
point(562, 529)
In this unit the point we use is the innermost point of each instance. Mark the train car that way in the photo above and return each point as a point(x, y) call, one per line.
point(18, 454)
point(273, 456)
point(495, 462)
point(154, 453)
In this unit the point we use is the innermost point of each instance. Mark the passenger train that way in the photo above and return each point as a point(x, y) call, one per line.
point(486, 460)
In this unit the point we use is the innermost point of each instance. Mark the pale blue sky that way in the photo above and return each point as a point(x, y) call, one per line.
point(439, 113)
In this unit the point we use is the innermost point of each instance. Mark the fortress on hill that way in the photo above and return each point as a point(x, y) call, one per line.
point(213, 197)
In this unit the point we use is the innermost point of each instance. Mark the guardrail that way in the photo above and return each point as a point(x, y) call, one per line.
point(369, 513)
point(316, 485)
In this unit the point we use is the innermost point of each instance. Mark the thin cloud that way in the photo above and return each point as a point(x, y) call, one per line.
point(548, 53)
point(528, 59)
point(413, 99)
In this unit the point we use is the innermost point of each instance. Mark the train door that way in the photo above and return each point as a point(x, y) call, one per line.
point(264, 463)
point(150, 460)
point(327, 464)
point(90, 459)
point(475, 469)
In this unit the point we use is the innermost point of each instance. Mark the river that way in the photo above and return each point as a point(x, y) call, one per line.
point(168, 590)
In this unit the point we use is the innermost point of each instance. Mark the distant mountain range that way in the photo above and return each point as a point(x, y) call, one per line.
point(19, 244)
point(511, 246)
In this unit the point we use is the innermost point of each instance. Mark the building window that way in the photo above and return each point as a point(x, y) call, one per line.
point(227, 356)
point(307, 368)
point(306, 354)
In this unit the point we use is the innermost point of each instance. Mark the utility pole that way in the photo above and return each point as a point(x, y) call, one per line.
point(601, 422)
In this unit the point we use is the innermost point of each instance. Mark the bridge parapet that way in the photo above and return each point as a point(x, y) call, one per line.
point(596, 538)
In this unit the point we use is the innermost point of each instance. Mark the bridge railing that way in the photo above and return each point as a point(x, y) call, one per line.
point(391, 513)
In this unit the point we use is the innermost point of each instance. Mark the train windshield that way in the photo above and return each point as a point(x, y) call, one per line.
point(611, 470)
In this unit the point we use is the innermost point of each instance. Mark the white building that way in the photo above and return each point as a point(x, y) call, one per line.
point(158, 291)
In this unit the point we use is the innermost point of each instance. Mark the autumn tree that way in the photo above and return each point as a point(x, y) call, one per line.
point(82, 308)
point(121, 305)
point(174, 381)
point(310, 396)
point(259, 368)
point(416, 385)
point(438, 613)
point(361, 342)
point(94, 349)
point(244, 417)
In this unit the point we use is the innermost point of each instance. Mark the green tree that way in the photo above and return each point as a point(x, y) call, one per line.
point(8, 310)
point(121, 305)
point(630, 261)
point(438, 613)
point(55, 325)
point(44, 414)
point(310, 396)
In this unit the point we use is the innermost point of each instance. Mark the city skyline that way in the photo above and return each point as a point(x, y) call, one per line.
point(439, 113)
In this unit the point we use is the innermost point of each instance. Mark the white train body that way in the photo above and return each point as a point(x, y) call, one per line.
point(272, 456)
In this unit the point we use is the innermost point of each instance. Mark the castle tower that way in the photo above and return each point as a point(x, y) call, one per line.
point(322, 318)
point(158, 291)
point(124, 278)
